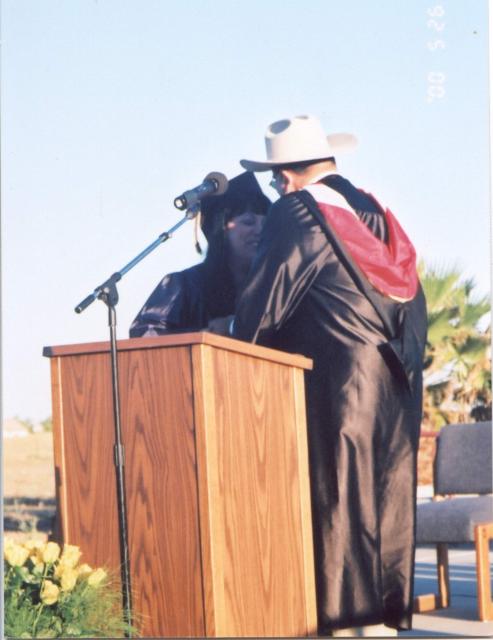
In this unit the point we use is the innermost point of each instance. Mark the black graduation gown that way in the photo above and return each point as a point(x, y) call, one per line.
point(363, 408)
point(180, 303)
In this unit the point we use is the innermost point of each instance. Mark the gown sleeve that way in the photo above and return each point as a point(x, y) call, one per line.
point(291, 253)
point(170, 308)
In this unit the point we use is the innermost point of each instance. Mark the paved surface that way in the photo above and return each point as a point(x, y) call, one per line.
point(461, 618)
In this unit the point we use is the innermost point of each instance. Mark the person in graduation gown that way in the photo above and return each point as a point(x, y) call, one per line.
point(335, 279)
point(187, 300)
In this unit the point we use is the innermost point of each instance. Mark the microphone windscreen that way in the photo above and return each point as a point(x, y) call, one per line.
point(220, 179)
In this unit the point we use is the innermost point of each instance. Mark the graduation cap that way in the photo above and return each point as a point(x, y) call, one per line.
point(243, 194)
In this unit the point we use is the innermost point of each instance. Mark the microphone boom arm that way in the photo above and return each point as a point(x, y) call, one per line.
point(108, 285)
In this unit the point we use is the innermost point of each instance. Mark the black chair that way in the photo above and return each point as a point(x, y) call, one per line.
point(461, 510)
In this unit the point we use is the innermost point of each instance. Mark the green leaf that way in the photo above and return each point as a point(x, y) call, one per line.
point(23, 573)
point(458, 345)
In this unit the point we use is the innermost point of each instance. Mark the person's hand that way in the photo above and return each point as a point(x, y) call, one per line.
point(220, 325)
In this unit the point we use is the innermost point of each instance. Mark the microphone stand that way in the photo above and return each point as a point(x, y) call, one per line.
point(108, 293)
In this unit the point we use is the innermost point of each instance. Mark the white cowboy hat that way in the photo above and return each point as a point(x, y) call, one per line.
point(299, 139)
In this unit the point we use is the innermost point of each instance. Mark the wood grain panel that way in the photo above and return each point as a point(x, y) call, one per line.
point(58, 450)
point(256, 529)
point(210, 491)
point(87, 471)
point(299, 415)
point(218, 512)
point(157, 419)
point(483, 533)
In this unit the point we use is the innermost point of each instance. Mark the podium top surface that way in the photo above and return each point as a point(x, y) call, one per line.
point(182, 339)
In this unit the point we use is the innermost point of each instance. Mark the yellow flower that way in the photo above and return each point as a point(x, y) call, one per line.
point(15, 554)
point(68, 579)
point(49, 592)
point(38, 567)
point(84, 570)
point(8, 543)
point(70, 555)
point(50, 553)
point(33, 546)
point(96, 577)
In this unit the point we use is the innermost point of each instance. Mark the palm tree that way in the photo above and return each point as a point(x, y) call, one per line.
point(458, 355)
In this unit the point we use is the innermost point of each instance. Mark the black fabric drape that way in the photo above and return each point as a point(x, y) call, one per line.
point(182, 301)
point(363, 416)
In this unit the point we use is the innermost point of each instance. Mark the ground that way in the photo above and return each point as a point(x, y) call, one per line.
point(29, 485)
point(28, 466)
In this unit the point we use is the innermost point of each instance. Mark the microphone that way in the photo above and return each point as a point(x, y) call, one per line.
point(214, 184)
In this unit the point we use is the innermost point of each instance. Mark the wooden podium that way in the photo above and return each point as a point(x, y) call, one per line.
point(216, 478)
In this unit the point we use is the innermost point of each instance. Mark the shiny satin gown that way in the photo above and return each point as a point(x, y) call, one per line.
point(180, 303)
point(363, 407)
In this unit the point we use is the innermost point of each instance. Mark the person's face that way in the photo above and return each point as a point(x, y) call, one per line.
point(243, 234)
point(284, 181)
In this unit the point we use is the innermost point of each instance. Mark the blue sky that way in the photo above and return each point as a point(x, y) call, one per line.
point(110, 108)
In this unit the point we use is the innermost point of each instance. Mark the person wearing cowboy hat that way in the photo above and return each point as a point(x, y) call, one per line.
point(187, 300)
point(334, 279)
